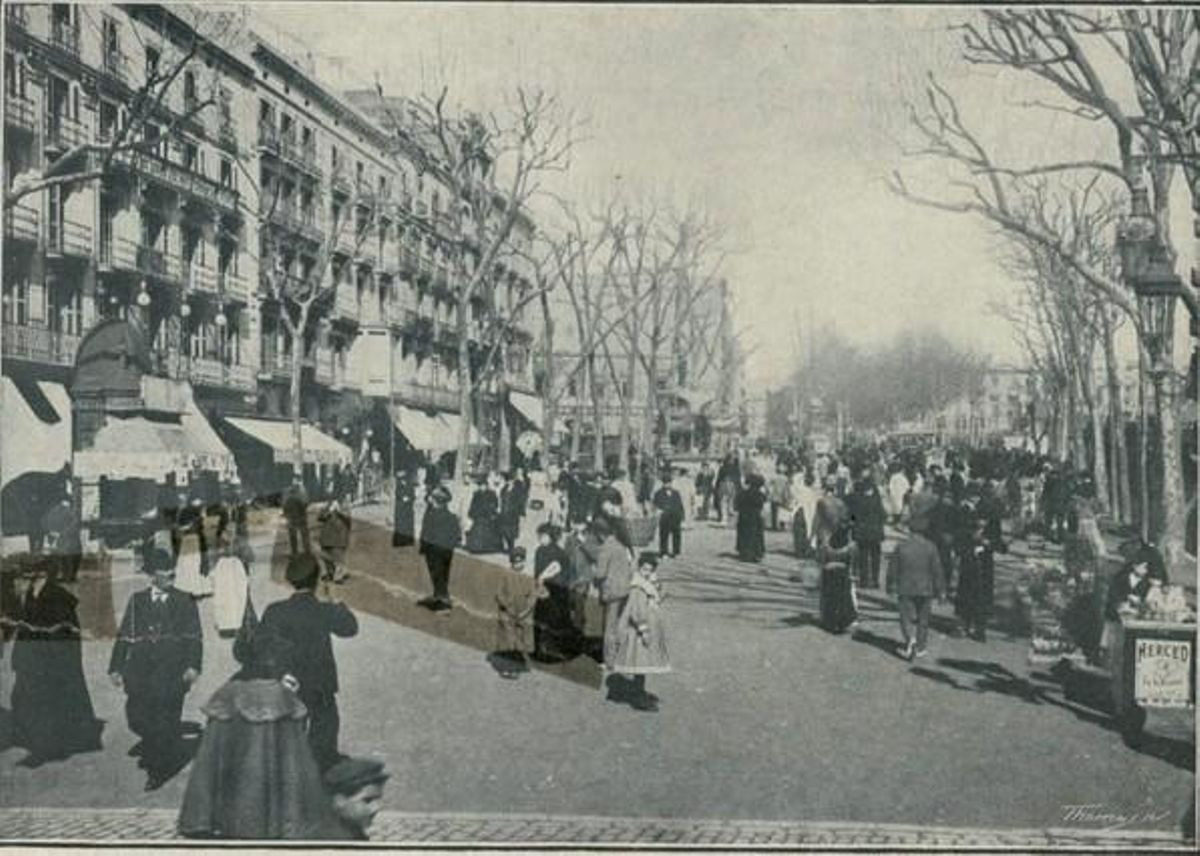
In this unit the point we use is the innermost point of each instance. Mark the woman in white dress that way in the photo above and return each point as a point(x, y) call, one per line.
point(231, 589)
point(191, 563)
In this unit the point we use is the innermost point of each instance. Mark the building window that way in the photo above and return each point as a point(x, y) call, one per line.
point(189, 90)
point(227, 175)
point(15, 76)
point(16, 303)
point(109, 116)
point(111, 35)
point(191, 158)
point(66, 311)
point(54, 220)
point(152, 59)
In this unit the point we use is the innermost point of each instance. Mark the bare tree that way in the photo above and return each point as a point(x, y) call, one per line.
point(494, 165)
point(1066, 50)
point(151, 114)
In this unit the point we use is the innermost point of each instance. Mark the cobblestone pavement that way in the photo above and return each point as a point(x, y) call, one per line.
point(509, 830)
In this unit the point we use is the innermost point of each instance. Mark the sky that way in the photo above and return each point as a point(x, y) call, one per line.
point(781, 121)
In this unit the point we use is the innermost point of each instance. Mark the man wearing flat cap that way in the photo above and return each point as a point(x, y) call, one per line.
point(918, 577)
point(355, 787)
point(308, 623)
point(156, 659)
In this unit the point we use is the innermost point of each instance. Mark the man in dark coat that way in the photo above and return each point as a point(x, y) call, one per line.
point(441, 533)
point(402, 510)
point(670, 517)
point(307, 624)
point(918, 579)
point(295, 511)
point(157, 658)
point(511, 509)
point(867, 516)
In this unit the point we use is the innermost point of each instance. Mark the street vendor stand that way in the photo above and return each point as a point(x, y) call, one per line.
point(1153, 665)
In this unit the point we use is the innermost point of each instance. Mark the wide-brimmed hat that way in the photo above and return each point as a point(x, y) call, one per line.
point(440, 494)
point(350, 775)
point(302, 569)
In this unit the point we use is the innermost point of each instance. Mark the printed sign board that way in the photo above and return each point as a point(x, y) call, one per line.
point(1162, 673)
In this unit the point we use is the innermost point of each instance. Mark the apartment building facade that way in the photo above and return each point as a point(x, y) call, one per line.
point(247, 172)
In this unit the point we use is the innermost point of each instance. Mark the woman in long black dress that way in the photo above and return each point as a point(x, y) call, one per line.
point(976, 582)
point(750, 545)
point(484, 513)
point(837, 556)
point(52, 712)
point(555, 634)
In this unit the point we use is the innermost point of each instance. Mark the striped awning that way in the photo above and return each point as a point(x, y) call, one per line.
point(316, 447)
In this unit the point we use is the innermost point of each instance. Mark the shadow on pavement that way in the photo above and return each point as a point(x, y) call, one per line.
point(1085, 694)
point(388, 582)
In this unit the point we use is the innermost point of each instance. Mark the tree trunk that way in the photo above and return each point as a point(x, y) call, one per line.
point(626, 406)
point(1143, 453)
point(294, 409)
point(1121, 491)
point(464, 388)
point(577, 428)
point(1093, 398)
point(1174, 497)
point(549, 376)
point(597, 415)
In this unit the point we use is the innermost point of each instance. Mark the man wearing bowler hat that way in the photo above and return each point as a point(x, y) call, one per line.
point(156, 659)
point(441, 533)
point(308, 623)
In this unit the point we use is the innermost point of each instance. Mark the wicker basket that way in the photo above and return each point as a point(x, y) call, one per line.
point(642, 529)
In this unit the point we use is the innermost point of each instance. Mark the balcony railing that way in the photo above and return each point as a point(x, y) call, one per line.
point(268, 137)
point(70, 239)
point(63, 132)
point(115, 64)
point(155, 262)
point(339, 178)
point(239, 377)
point(201, 277)
point(65, 36)
point(177, 177)
point(21, 222)
point(119, 254)
point(39, 344)
point(234, 286)
point(206, 370)
point(20, 113)
point(364, 192)
point(409, 262)
point(426, 395)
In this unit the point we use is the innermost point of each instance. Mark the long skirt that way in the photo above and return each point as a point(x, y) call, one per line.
point(191, 571)
point(254, 775)
point(230, 590)
point(52, 711)
point(837, 598)
point(750, 544)
point(800, 543)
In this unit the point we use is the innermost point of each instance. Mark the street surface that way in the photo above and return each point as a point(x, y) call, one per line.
point(765, 719)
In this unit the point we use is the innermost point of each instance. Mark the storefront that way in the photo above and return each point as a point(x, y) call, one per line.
point(35, 457)
point(266, 455)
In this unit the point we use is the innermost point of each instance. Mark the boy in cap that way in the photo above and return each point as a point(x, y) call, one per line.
point(307, 624)
point(670, 516)
point(441, 533)
point(355, 787)
point(156, 659)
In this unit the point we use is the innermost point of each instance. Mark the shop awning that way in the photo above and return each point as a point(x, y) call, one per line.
point(453, 423)
point(35, 420)
point(317, 448)
point(140, 447)
point(422, 431)
point(529, 406)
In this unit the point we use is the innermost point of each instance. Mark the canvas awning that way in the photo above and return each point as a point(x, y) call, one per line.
point(35, 420)
point(423, 431)
point(317, 447)
point(141, 447)
point(453, 423)
point(529, 406)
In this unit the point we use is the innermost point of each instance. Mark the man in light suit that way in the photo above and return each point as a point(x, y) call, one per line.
point(157, 658)
point(918, 578)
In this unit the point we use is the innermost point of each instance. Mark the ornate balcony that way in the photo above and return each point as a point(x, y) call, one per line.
point(70, 239)
point(156, 263)
point(65, 37)
point(16, 16)
point(339, 179)
point(39, 345)
point(19, 113)
point(63, 132)
point(206, 371)
point(201, 278)
point(239, 377)
point(409, 262)
point(21, 222)
point(426, 396)
point(233, 286)
point(177, 177)
point(115, 65)
point(268, 138)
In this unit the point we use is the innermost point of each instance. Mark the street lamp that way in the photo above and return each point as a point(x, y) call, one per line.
point(1149, 268)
